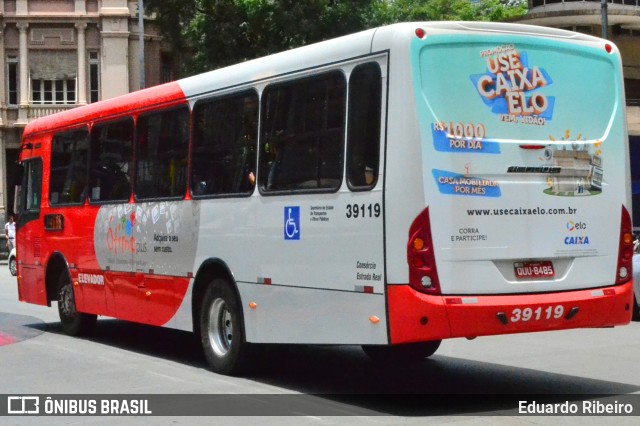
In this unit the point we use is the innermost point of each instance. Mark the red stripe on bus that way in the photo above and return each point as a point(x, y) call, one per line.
point(158, 95)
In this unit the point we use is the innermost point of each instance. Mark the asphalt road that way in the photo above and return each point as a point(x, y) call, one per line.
point(323, 384)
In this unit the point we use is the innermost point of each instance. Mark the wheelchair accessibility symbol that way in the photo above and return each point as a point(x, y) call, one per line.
point(292, 223)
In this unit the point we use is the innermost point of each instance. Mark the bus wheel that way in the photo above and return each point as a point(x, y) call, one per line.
point(636, 310)
point(406, 353)
point(74, 323)
point(13, 268)
point(221, 330)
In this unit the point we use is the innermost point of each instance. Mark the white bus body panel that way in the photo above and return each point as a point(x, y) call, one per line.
point(330, 273)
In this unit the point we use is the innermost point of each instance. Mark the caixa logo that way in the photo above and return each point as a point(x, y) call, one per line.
point(576, 240)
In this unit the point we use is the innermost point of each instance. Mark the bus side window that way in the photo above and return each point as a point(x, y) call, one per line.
point(28, 193)
point(302, 127)
point(111, 161)
point(363, 129)
point(68, 171)
point(161, 163)
point(224, 145)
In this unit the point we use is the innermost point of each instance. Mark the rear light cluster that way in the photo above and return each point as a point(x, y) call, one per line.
point(423, 275)
point(625, 250)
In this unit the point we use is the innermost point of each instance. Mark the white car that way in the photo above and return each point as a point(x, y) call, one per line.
point(13, 268)
point(636, 286)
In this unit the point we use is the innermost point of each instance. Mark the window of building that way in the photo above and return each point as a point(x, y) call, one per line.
point(53, 77)
point(59, 92)
point(69, 160)
point(12, 80)
point(94, 77)
point(163, 142)
point(302, 126)
point(224, 145)
point(363, 134)
point(111, 161)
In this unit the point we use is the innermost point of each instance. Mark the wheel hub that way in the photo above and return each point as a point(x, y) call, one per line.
point(220, 327)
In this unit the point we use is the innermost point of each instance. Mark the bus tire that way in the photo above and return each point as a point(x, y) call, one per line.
point(221, 330)
point(13, 267)
point(636, 310)
point(74, 323)
point(405, 353)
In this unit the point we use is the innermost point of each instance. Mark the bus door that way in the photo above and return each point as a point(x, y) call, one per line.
point(31, 286)
point(68, 223)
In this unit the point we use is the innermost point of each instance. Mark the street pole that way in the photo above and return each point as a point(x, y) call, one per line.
point(603, 7)
point(141, 40)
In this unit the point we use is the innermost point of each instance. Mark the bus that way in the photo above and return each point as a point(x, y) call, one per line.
point(389, 189)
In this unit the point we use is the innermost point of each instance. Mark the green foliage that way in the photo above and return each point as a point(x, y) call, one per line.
point(390, 11)
point(208, 34)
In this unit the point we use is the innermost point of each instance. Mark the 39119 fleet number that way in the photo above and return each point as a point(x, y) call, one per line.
point(355, 211)
point(537, 314)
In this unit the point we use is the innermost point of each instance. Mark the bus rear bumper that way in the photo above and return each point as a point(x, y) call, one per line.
point(415, 317)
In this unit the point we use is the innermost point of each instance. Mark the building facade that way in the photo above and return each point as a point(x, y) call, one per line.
point(60, 54)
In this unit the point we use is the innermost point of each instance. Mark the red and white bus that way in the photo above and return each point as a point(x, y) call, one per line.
point(389, 189)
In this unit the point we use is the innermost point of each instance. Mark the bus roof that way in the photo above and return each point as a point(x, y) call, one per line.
point(314, 55)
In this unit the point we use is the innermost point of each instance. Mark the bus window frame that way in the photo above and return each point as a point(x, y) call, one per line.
point(29, 214)
point(136, 151)
point(245, 92)
point(87, 166)
point(111, 120)
point(263, 169)
point(349, 144)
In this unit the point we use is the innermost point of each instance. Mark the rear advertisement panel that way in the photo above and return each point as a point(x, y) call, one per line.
point(523, 147)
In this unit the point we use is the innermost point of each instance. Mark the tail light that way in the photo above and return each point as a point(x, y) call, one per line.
point(625, 250)
point(423, 275)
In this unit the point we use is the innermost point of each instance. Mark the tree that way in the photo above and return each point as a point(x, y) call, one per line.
point(391, 11)
point(208, 34)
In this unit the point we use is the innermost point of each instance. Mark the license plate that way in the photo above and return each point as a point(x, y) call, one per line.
point(533, 270)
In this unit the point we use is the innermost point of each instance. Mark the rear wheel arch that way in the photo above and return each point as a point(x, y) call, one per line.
point(210, 270)
point(59, 286)
point(56, 265)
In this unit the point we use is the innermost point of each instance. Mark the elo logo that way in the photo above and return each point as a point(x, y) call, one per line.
point(572, 226)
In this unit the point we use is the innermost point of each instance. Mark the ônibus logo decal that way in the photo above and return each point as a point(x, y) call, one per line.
point(69, 405)
point(23, 405)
